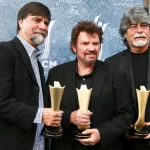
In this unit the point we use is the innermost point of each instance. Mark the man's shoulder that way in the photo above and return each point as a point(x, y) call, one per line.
point(108, 67)
point(8, 45)
point(111, 70)
point(117, 56)
point(63, 66)
point(7, 48)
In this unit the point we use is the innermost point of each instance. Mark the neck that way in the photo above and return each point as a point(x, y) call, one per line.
point(85, 69)
point(139, 49)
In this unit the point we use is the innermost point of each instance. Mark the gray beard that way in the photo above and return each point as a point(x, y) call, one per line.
point(37, 39)
point(140, 43)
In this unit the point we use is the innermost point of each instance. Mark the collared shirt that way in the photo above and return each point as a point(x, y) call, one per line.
point(33, 52)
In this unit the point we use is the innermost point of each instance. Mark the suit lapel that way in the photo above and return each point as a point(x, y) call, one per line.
point(125, 64)
point(24, 56)
point(70, 85)
point(99, 77)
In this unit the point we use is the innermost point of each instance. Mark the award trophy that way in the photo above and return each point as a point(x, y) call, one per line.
point(83, 99)
point(140, 129)
point(56, 93)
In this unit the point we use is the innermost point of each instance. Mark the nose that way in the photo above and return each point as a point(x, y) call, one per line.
point(139, 29)
point(91, 47)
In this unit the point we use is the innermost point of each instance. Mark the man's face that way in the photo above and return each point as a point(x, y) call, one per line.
point(34, 29)
point(87, 48)
point(138, 35)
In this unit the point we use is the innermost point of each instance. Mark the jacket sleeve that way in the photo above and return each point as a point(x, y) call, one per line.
point(12, 110)
point(112, 129)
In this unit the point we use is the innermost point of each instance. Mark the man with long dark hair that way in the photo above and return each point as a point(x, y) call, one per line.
point(23, 93)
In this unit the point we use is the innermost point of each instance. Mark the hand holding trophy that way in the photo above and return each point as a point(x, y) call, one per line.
point(140, 129)
point(56, 93)
point(83, 99)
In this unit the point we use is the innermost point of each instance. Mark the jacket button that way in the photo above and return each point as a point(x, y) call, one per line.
point(36, 88)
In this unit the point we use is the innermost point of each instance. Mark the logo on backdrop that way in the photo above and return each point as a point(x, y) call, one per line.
point(103, 28)
point(47, 45)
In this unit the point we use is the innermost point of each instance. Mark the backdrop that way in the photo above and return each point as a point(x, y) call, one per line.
point(65, 14)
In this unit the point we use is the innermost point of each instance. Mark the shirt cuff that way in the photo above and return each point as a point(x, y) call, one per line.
point(38, 117)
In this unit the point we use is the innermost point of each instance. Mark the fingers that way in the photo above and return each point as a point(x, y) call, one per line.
point(88, 131)
point(147, 123)
point(147, 137)
point(51, 118)
point(83, 117)
point(94, 138)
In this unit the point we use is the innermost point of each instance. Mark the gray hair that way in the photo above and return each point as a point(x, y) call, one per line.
point(134, 14)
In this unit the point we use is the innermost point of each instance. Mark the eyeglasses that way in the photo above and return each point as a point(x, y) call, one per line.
point(135, 27)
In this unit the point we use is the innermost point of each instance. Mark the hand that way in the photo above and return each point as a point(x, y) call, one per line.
point(127, 135)
point(80, 117)
point(51, 118)
point(148, 136)
point(94, 139)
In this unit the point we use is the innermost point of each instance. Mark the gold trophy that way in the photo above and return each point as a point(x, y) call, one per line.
point(83, 99)
point(140, 129)
point(56, 93)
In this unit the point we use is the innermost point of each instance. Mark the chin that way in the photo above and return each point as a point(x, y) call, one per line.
point(90, 62)
point(140, 43)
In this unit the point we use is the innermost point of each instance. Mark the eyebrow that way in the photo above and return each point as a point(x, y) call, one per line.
point(40, 17)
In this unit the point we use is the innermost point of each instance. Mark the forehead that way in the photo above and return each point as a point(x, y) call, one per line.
point(134, 22)
point(37, 17)
point(85, 35)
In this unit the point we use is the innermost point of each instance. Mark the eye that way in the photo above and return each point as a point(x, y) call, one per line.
point(144, 25)
point(96, 43)
point(36, 20)
point(85, 43)
point(46, 23)
point(133, 26)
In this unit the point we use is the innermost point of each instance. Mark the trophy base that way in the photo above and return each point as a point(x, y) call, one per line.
point(144, 131)
point(52, 132)
point(79, 135)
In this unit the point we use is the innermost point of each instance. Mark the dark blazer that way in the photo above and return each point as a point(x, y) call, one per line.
point(110, 103)
point(19, 94)
point(123, 61)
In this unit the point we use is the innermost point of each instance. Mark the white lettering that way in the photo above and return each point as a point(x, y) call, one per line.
point(49, 64)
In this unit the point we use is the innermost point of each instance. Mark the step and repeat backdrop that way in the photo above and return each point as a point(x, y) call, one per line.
point(65, 14)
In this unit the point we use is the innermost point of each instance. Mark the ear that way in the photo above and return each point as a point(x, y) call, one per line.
point(20, 22)
point(125, 35)
point(74, 48)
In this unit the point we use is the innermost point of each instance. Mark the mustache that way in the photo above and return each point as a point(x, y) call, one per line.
point(140, 35)
point(91, 52)
point(44, 33)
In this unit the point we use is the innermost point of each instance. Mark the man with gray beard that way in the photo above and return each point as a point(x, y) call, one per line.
point(135, 31)
point(23, 92)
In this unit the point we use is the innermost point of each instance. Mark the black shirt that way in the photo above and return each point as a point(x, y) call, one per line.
point(86, 79)
point(140, 68)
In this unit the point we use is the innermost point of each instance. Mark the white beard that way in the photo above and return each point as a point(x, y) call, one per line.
point(140, 43)
point(37, 39)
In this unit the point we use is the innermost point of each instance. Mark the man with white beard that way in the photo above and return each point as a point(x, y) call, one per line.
point(23, 92)
point(135, 31)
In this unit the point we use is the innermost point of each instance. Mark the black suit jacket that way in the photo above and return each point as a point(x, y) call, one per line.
point(110, 103)
point(123, 61)
point(19, 94)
